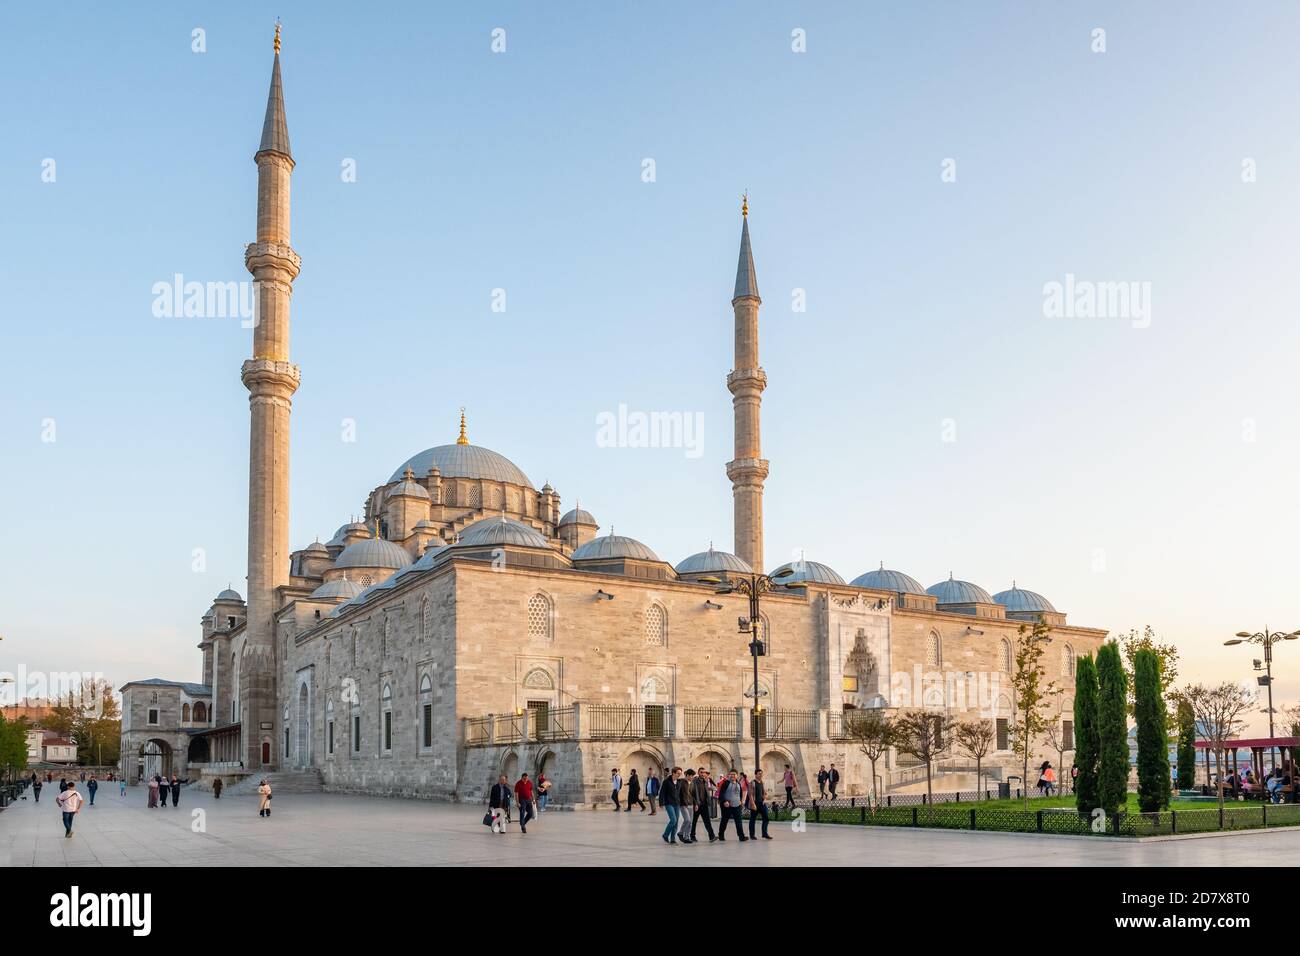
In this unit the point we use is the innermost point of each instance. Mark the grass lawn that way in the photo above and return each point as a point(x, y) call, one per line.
point(1043, 803)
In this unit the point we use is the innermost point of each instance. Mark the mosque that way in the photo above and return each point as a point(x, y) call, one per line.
point(466, 626)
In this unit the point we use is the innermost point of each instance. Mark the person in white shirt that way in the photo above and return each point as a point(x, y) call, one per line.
point(616, 783)
point(69, 802)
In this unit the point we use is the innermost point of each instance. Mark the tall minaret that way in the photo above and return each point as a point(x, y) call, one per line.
point(271, 380)
point(746, 383)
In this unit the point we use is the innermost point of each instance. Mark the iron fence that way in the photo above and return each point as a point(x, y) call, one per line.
point(558, 726)
point(785, 725)
point(478, 731)
point(710, 723)
point(625, 721)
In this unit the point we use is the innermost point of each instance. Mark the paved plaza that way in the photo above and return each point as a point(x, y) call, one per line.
point(322, 829)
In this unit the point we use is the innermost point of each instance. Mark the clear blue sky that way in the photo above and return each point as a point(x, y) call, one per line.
point(522, 171)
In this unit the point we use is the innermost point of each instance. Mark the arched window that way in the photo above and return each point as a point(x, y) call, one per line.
point(496, 499)
point(475, 496)
point(329, 728)
point(383, 649)
point(539, 679)
point(766, 631)
point(153, 698)
point(424, 618)
point(656, 625)
point(426, 713)
point(1004, 655)
point(354, 647)
point(933, 650)
point(201, 713)
point(386, 718)
point(539, 617)
point(329, 646)
point(185, 713)
point(1067, 661)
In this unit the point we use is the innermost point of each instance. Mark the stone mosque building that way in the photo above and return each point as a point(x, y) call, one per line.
point(467, 625)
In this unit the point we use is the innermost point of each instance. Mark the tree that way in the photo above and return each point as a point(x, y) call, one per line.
point(1152, 735)
point(13, 745)
point(925, 735)
point(1186, 745)
point(1055, 736)
point(873, 731)
point(1031, 694)
point(89, 716)
point(1087, 745)
point(1167, 654)
point(1112, 730)
point(976, 737)
point(1218, 711)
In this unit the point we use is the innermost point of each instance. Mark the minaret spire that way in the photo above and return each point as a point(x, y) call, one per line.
point(271, 380)
point(463, 439)
point(748, 470)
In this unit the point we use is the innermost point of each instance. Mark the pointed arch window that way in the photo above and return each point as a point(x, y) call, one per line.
point(185, 713)
point(933, 650)
point(424, 618)
point(1067, 661)
point(426, 713)
point(386, 718)
point(656, 626)
point(540, 617)
point(1004, 655)
point(329, 728)
point(475, 499)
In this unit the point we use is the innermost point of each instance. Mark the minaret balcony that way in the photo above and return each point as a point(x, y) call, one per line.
point(747, 470)
point(746, 378)
point(277, 255)
point(272, 372)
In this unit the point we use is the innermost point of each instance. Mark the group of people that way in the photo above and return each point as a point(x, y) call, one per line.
point(686, 797)
point(159, 788)
point(1275, 787)
point(525, 794)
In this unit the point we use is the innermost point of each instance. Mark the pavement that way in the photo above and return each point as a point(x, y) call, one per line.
point(327, 829)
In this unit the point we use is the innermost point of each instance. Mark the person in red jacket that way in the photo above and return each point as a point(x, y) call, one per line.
point(524, 797)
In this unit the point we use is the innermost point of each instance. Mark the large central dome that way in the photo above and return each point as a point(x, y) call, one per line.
point(464, 461)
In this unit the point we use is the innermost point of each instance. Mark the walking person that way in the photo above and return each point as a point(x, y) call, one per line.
point(163, 790)
point(36, 787)
point(686, 805)
point(833, 780)
point(499, 803)
point(758, 804)
point(153, 791)
point(176, 790)
point(524, 796)
point(791, 785)
point(634, 792)
point(822, 777)
point(216, 789)
point(651, 789)
point(732, 800)
point(616, 784)
point(703, 790)
point(69, 802)
point(92, 785)
point(668, 799)
point(264, 806)
point(543, 791)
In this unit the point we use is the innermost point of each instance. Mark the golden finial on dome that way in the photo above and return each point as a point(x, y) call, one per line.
point(277, 35)
point(744, 203)
point(462, 440)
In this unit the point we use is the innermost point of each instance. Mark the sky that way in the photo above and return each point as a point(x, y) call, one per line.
point(919, 176)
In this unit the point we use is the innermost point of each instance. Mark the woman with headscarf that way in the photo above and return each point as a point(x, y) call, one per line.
point(264, 807)
point(153, 791)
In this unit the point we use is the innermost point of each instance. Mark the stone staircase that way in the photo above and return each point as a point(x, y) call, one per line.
point(281, 781)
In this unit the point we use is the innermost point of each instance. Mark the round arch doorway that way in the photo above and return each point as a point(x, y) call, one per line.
point(155, 759)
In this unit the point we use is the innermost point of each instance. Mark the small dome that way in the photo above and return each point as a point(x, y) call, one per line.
point(464, 461)
point(808, 571)
point(493, 531)
point(351, 528)
point(883, 579)
point(338, 588)
point(708, 561)
point(953, 591)
point(230, 595)
point(317, 549)
point(547, 489)
point(408, 487)
point(1018, 599)
point(614, 546)
point(578, 516)
point(373, 553)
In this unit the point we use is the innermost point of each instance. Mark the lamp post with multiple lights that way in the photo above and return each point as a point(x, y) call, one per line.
point(752, 586)
point(1266, 639)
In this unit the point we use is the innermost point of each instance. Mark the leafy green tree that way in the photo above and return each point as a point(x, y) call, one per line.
point(1112, 730)
point(1087, 745)
point(1186, 745)
point(1152, 737)
point(1031, 694)
point(13, 745)
point(1166, 653)
point(925, 735)
point(874, 732)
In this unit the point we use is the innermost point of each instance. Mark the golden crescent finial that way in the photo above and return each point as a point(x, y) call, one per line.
point(463, 439)
point(744, 205)
point(277, 34)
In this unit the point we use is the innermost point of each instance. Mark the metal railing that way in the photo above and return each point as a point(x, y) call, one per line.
point(559, 726)
point(710, 723)
point(478, 731)
point(625, 721)
point(785, 725)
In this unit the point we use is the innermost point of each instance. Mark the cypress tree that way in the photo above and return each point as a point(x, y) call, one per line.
point(1186, 746)
point(1112, 730)
point(1086, 745)
point(1152, 735)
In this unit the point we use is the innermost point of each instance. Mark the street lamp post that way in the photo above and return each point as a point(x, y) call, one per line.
point(752, 586)
point(1266, 639)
